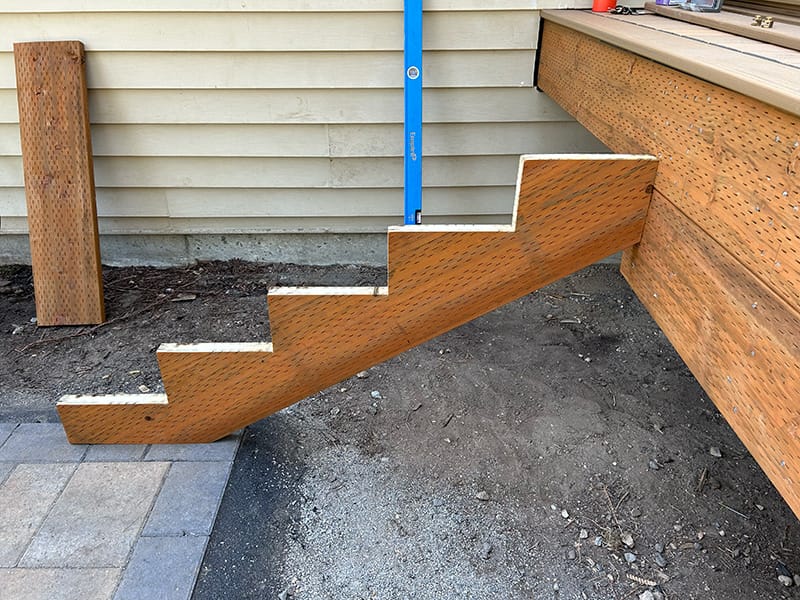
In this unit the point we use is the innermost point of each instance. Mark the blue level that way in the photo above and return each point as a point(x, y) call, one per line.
point(412, 97)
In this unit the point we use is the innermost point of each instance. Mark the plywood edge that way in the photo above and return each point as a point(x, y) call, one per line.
point(329, 291)
point(102, 399)
point(211, 347)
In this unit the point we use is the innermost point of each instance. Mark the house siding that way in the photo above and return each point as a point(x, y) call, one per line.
point(255, 117)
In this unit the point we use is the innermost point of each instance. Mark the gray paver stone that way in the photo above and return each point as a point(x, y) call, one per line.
point(97, 518)
point(5, 431)
point(115, 453)
point(25, 499)
point(5, 469)
point(188, 502)
point(223, 450)
point(40, 442)
point(58, 584)
point(162, 567)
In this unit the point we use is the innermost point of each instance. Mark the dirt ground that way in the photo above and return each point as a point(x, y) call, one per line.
point(555, 448)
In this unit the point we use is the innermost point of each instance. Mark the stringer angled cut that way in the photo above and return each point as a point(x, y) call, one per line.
point(570, 211)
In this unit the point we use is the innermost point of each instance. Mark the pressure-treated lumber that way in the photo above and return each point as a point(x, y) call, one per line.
point(741, 341)
point(730, 163)
point(718, 264)
point(570, 212)
point(59, 182)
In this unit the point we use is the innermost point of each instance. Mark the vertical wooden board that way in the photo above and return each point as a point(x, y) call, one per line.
point(571, 211)
point(729, 162)
point(59, 182)
point(738, 338)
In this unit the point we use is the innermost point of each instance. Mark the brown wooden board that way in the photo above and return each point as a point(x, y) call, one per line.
point(570, 212)
point(718, 265)
point(731, 163)
point(740, 340)
point(59, 182)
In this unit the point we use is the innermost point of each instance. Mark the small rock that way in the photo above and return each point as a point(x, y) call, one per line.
point(184, 297)
point(373, 410)
point(630, 557)
point(786, 580)
point(659, 548)
point(486, 550)
point(34, 320)
point(598, 541)
point(144, 389)
point(654, 466)
point(565, 513)
point(376, 394)
point(555, 587)
point(715, 452)
point(583, 534)
point(284, 594)
point(335, 411)
point(17, 329)
point(571, 555)
point(627, 539)
point(362, 374)
point(660, 560)
point(677, 527)
point(636, 512)
point(483, 495)
point(701, 535)
point(698, 546)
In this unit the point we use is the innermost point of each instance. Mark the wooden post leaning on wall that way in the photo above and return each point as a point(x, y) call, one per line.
point(59, 182)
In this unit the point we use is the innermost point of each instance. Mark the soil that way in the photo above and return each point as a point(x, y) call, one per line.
point(557, 447)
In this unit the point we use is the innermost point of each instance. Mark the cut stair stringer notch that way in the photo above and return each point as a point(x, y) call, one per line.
point(570, 211)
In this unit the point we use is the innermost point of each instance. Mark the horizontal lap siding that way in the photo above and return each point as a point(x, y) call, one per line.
point(288, 116)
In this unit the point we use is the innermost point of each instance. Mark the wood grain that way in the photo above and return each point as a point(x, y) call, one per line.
point(718, 266)
point(730, 163)
point(59, 182)
point(570, 212)
point(739, 340)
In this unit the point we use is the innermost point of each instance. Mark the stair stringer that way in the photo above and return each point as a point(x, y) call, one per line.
point(570, 211)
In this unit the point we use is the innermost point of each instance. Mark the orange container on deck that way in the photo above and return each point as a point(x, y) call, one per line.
point(603, 5)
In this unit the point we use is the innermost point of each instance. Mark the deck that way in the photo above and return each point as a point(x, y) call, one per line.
point(718, 265)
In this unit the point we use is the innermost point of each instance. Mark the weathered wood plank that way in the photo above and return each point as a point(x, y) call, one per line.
point(570, 212)
point(59, 183)
point(740, 341)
